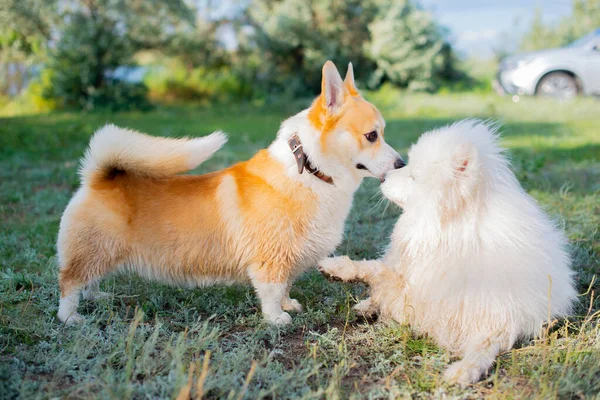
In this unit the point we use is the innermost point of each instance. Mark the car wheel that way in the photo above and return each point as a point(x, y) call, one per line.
point(557, 84)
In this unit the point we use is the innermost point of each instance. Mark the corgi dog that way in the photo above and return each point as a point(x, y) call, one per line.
point(473, 261)
point(263, 221)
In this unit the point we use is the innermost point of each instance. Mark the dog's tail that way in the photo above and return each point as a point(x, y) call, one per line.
point(115, 150)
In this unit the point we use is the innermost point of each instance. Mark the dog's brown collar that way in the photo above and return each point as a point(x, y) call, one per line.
point(303, 162)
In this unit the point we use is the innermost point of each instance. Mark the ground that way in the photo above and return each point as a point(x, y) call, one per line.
point(144, 340)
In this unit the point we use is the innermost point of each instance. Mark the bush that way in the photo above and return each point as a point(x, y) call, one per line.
point(388, 41)
point(4, 101)
point(88, 50)
point(33, 99)
point(119, 96)
point(172, 81)
point(38, 93)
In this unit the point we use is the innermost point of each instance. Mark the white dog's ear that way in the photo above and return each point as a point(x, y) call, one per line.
point(332, 88)
point(465, 172)
point(464, 162)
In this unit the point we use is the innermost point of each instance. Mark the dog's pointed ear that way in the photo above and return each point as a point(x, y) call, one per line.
point(332, 88)
point(349, 81)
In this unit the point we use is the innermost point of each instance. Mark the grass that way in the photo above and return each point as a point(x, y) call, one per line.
point(155, 341)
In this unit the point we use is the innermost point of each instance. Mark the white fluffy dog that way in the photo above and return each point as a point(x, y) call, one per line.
point(473, 261)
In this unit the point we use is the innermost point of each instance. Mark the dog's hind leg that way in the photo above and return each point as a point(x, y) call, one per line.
point(480, 353)
point(92, 292)
point(72, 280)
point(80, 277)
point(85, 256)
point(69, 301)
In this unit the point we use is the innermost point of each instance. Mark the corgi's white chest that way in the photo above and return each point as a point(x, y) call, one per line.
point(326, 229)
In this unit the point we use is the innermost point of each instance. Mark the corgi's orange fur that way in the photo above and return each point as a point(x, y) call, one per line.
point(259, 221)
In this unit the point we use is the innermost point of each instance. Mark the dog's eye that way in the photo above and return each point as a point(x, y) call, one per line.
point(371, 136)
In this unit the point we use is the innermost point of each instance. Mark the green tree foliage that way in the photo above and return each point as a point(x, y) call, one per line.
point(408, 47)
point(86, 40)
point(584, 18)
point(539, 36)
point(89, 49)
point(26, 28)
point(290, 40)
point(172, 80)
point(282, 45)
point(387, 40)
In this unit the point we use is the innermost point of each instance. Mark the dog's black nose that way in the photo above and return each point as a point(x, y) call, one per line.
point(399, 163)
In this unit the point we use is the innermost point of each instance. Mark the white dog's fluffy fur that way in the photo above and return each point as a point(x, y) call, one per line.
point(473, 261)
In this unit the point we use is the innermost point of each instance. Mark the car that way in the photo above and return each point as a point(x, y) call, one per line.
point(563, 72)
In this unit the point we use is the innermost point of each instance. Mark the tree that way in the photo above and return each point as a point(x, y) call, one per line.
point(27, 27)
point(584, 18)
point(84, 41)
point(386, 40)
point(89, 49)
point(24, 33)
point(290, 40)
point(408, 47)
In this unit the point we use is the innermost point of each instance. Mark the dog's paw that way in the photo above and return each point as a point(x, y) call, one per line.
point(366, 308)
point(337, 268)
point(291, 305)
point(73, 319)
point(279, 320)
point(462, 374)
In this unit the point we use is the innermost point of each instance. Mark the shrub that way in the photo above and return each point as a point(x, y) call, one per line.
point(388, 41)
point(38, 93)
point(172, 81)
point(88, 50)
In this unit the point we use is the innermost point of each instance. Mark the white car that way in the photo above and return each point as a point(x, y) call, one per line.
point(564, 72)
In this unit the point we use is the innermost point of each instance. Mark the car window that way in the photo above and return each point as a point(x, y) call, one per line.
point(581, 41)
point(594, 36)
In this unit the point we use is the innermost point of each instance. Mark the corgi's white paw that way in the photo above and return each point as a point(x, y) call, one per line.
point(462, 373)
point(279, 320)
point(73, 319)
point(337, 268)
point(291, 305)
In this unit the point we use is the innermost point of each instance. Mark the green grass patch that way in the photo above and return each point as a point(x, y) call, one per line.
point(142, 342)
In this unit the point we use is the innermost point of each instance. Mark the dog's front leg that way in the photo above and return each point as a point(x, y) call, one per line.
point(271, 288)
point(288, 303)
point(367, 307)
point(387, 287)
point(345, 269)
